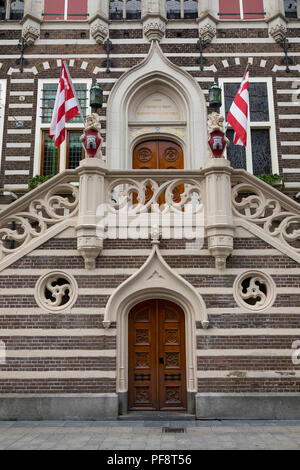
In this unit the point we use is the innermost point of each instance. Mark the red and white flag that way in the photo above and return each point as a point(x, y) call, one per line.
point(238, 114)
point(65, 108)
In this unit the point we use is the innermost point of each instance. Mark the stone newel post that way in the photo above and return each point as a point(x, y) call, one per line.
point(219, 222)
point(218, 205)
point(92, 171)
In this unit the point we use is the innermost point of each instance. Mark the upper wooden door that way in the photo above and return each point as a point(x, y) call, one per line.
point(158, 155)
point(157, 376)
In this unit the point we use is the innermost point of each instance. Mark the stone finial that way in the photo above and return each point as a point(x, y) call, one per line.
point(31, 28)
point(155, 235)
point(99, 29)
point(154, 28)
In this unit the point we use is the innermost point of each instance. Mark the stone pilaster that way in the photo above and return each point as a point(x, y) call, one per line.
point(91, 195)
point(218, 207)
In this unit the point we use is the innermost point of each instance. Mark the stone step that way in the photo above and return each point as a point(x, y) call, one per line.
point(156, 416)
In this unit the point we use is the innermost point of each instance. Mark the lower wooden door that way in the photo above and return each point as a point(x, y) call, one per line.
point(157, 363)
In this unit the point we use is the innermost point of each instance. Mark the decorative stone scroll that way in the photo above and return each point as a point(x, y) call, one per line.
point(42, 212)
point(273, 216)
point(148, 191)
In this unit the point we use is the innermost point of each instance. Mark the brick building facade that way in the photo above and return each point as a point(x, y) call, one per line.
point(93, 326)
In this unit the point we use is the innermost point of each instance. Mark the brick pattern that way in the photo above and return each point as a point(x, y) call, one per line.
point(57, 386)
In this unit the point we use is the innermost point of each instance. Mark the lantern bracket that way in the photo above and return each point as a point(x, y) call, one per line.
point(108, 63)
point(201, 45)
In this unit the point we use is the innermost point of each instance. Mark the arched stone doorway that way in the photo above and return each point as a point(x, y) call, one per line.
point(156, 357)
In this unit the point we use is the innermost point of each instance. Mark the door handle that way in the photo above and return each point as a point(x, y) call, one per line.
point(161, 360)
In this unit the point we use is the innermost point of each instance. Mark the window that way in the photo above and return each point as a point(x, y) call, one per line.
point(48, 159)
point(65, 10)
point(11, 10)
point(50, 156)
point(16, 10)
point(260, 156)
point(190, 9)
point(290, 8)
point(2, 10)
point(133, 9)
point(177, 9)
point(241, 9)
point(125, 9)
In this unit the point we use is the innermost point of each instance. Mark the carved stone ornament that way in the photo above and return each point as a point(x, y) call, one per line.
point(154, 28)
point(99, 29)
point(207, 32)
point(207, 26)
point(56, 291)
point(278, 32)
point(31, 29)
point(89, 248)
point(217, 140)
point(254, 290)
point(91, 138)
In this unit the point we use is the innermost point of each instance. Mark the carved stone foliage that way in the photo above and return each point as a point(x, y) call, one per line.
point(56, 291)
point(273, 216)
point(42, 212)
point(31, 28)
point(148, 191)
point(154, 28)
point(207, 32)
point(254, 290)
point(278, 32)
point(99, 29)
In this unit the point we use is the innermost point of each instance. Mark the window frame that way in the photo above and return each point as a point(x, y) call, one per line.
point(270, 124)
point(3, 90)
point(242, 14)
point(7, 10)
point(291, 18)
point(66, 14)
point(182, 10)
point(40, 126)
point(42, 153)
point(124, 11)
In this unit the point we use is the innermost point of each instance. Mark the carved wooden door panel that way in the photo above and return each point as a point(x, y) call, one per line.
point(158, 155)
point(157, 379)
point(171, 347)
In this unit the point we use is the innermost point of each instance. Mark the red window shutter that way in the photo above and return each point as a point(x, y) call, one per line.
point(77, 10)
point(54, 10)
point(253, 6)
point(227, 7)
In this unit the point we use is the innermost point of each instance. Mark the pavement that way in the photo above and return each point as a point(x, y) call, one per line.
point(149, 435)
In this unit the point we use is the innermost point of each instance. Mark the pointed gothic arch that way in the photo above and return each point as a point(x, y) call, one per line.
point(158, 73)
point(155, 280)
